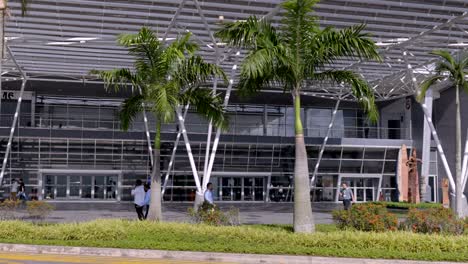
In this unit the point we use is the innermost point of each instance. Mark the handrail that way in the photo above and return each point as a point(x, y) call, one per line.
point(254, 129)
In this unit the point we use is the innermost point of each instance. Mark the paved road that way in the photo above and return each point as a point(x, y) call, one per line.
point(15, 258)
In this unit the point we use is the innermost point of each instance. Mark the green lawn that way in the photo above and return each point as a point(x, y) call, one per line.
point(260, 239)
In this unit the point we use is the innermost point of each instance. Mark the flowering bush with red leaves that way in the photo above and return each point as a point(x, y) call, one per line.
point(434, 220)
point(366, 217)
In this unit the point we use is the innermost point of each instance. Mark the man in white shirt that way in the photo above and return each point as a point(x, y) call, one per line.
point(139, 198)
point(13, 189)
point(209, 193)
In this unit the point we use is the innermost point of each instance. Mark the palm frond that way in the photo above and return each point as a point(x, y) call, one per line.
point(194, 71)
point(445, 55)
point(427, 84)
point(329, 44)
point(359, 89)
point(130, 108)
point(248, 34)
point(117, 78)
point(207, 105)
point(164, 99)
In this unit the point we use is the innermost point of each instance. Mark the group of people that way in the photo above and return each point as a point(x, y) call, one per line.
point(142, 197)
point(18, 190)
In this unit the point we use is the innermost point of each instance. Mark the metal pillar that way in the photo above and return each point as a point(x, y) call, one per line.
point(12, 130)
point(218, 130)
point(174, 150)
point(147, 132)
point(208, 137)
point(426, 149)
point(322, 148)
point(428, 116)
point(189, 150)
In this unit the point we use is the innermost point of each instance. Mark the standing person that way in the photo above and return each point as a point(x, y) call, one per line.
point(139, 198)
point(13, 189)
point(147, 199)
point(347, 194)
point(209, 194)
point(22, 191)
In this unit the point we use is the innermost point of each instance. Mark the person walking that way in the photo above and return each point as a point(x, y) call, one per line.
point(138, 194)
point(13, 189)
point(22, 191)
point(347, 195)
point(209, 194)
point(147, 199)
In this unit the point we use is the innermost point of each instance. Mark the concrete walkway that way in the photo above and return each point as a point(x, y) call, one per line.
point(32, 254)
point(249, 213)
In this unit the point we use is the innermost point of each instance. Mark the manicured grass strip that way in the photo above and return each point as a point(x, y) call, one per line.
point(244, 239)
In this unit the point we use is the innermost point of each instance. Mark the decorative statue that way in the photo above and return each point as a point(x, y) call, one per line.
point(445, 193)
point(403, 174)
point(413, 178)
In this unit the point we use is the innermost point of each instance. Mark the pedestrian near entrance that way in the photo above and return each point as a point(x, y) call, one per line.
point(209, 194)
point(147, 199)
point(139, 198)
point(13, 189)
point(347, 195)
point(22, 191)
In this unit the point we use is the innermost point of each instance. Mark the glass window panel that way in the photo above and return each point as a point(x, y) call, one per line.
point(392, 154)
point(350, 166)
point(352, 153)
point(374, 153)
point(372, 166)
point(390, 167)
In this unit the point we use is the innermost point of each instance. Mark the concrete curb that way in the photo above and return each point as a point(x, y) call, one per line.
point(190, 255)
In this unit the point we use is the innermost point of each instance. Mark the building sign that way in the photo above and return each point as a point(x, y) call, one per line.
point(14, 95)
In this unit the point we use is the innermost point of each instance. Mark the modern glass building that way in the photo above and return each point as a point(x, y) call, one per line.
point(60, 130)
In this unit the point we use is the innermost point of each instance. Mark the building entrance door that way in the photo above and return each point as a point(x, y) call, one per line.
point(364, 188)
point(80, 186)
point(241, 188)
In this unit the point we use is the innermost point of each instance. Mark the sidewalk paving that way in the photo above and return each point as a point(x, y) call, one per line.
point(249, 214)
point(33, 254)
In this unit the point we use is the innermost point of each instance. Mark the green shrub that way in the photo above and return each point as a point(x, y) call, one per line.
point(39, 209)
point(405, 205)
point(366, 217)
point(8, 209)
point(434, 220)
point(212, 215)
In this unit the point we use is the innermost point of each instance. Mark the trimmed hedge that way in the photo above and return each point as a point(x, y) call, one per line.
point(404, 205)
point(239, 239)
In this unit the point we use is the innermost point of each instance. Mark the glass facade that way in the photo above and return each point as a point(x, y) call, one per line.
point(245, 169)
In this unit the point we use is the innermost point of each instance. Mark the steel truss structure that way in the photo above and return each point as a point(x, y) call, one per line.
point(64, 40)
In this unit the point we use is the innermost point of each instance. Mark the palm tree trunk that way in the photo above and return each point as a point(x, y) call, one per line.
point(303, 219)
point(155, 211)
point(459, 182)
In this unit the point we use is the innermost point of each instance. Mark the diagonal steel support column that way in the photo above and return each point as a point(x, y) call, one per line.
point(189, 151)
point(12, 130)
point(325, 140)
point(174, 150)
point(206, 178)
point(465, 163)
point(428, 117)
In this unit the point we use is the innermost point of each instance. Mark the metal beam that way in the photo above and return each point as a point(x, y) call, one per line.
point(12, 130)
point(325, 140)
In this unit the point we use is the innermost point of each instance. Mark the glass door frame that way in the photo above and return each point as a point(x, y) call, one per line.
point(80, 173)
point(359, 176)
point(219, 176)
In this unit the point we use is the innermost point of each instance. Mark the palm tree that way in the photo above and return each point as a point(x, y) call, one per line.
point(291, 55)
point(455, 70)
point(167, 77)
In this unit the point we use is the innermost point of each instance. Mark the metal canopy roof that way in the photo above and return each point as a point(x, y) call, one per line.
point(65, 39)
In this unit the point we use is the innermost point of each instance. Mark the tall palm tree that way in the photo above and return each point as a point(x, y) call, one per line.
point(166, 77)
point(455, 70)
point(291, 55)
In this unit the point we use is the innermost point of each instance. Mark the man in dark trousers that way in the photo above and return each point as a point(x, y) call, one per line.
point(347, 195)
point(139, 198)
